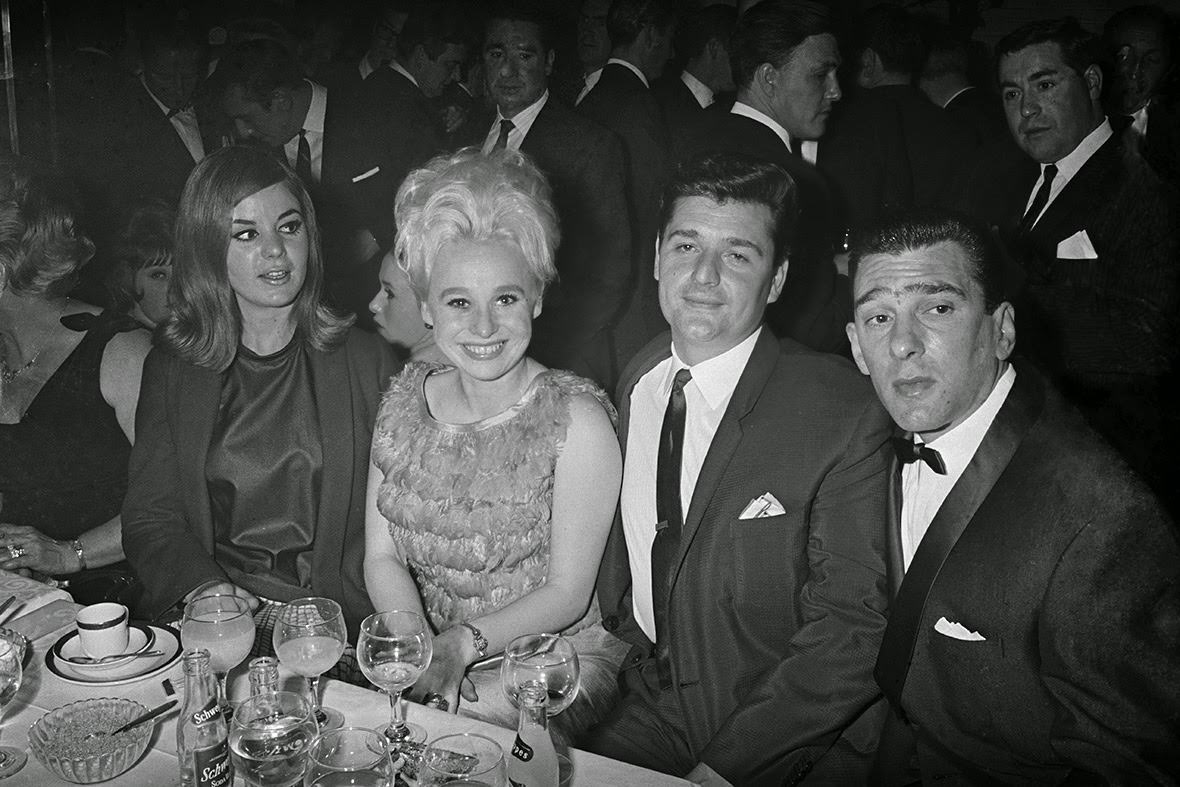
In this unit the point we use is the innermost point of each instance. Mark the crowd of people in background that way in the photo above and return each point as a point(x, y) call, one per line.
point(686, 330)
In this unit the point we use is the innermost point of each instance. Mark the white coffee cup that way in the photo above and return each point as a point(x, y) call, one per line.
point(102, 629)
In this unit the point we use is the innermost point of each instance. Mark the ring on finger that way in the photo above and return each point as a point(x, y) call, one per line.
point(436, 700)
point(15, 551)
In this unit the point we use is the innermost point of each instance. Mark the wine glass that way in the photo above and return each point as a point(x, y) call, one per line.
point(309, 639)
point(547, 660)
point(393, 650)
point(269, 738)
point(11, 759)
point(350, 756)
point(464, 758)
point(221, 624)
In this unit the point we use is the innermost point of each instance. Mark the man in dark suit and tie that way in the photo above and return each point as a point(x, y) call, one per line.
point(785, 62)
point(1034, 631)
point(1095, 232)
point(584, 165)
point(945, 82)
point(746, 568)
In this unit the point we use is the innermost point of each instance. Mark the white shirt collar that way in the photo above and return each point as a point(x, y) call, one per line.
point(717, 377)
point(745, 110)
point(1076, 158)
point(620, 61)
point(702, 92)
point(1139, 120)
point(958, 93)
point(521, 123)
point(958, 445)
point(363, 67)
point(163, 107)
point(316, 110)
point(399, 68)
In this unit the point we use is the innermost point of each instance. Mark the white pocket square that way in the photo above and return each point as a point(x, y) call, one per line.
point(366, 175)
point(957, 631)
point(1077, 247)
point(761, 507)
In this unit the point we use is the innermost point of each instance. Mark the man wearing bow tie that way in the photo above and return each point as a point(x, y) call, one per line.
point(746, 568)
point(1034, 632)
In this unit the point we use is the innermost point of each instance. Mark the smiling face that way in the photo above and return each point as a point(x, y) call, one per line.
point(482, 299)
point(395, 308)
point(516, 65)
point(268, 249)
point(1050, 107)
point(921, 332)
point(151, 285)
point(717, 271)
point(804, 89)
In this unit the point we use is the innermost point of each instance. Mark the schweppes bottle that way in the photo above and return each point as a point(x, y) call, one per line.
point(533, 762)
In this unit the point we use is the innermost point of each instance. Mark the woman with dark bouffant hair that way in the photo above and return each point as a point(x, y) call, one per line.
point(257, 408)
point(69, 381)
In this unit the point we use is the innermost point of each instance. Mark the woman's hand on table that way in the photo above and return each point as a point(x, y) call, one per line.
point(24, 547)
point(446, 675)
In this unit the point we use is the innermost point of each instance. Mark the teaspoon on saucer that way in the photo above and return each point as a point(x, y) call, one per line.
point(112, 657)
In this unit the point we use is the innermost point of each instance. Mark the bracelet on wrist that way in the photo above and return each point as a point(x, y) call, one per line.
point(77, 545)
point(478, 640)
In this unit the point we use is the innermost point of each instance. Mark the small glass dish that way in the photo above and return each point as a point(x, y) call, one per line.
point(57, 739)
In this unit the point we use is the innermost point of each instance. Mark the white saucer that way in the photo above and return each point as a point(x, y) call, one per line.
point(167, 640)
point(139, 639)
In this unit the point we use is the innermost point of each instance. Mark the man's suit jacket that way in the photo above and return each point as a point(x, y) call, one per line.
point(167, 521)
point(680, 109)
point(981, 114)
point(584, 164)
point(888, 148)
point(775, 621)
point(1053, 551)
point(621, 103)
point(815, 305)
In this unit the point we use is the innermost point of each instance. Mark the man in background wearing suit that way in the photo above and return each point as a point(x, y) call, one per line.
point(702, 44)
point(1095, 232)
point(584, 165)
point(785, 62)
point(1034, 631)
point(746, 568)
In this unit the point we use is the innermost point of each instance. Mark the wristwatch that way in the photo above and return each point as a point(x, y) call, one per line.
point(477, 639)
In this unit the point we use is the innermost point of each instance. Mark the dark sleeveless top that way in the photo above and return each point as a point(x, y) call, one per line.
point(264, 469)
point(63, 468)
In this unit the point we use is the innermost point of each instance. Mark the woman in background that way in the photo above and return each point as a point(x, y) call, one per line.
point(257, 407)
point(398, 315)
point(142, 267)
point(69, 382)
point(494, 479)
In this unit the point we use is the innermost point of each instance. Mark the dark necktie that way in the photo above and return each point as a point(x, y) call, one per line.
point(670, 519)
point(1040, 200)
point(796, 148)
point(174, 112)
point(303, 161)
point(505, 129)
point(909, 451)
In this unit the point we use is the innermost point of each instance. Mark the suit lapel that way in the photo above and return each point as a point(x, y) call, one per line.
point(330, 372)
point(195, 398)
point(894, 559)
point(1073, 207)
point(1017, 415)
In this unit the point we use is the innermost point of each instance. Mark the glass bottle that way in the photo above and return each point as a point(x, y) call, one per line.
point(202, 737)
point(264, 675)
point(533, 762)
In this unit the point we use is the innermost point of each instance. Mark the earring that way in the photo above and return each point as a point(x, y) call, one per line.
point(429, 327)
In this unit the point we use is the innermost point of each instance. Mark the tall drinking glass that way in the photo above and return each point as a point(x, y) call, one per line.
point(393, 650)
point(309, 639)
point(269, 738)
point(222, 625)
point(349, 757)
point(11, 759)
point(546, 660)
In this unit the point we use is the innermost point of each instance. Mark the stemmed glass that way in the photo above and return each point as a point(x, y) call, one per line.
point(352, 756)
point(269, 738)
point(393, 650)
point(221, 624)
point(547, 660)
point(309, 639)
point(11, 759)
point(464, 758)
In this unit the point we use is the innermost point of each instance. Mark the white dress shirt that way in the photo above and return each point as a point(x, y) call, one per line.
point(808, 148)
point(522, 121)
point(185, 124)
point(588, 83)
point(706, 397)
point(313, 130)
point(700, 91)
point(634, 69)
point(1069, 166)
point(399, 68)
point(923, 490)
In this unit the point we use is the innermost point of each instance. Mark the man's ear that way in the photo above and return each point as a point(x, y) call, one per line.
point(280, 100)
point(857, 355)
point(656, 262)
point(549, 62)
point(777, 280)
point(1004, 320)
point(427, 317)
point(1093, 77)
point(870, 66)
point(765, 77)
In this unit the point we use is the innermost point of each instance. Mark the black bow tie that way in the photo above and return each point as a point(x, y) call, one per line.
point(909, 451)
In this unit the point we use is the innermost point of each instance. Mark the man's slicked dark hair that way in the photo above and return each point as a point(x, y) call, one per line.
point(259, 67)
point(626, 19)
point(702, 25)
point(894, 34)
point(901, 233)
point(433, 27)
point(733, 177)
point(770, 31)
point(532, 11)
point(1079, 48)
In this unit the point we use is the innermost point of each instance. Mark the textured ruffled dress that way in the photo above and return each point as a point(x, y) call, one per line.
point(469, 506)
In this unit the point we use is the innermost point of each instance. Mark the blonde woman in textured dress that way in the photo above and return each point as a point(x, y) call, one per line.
point(494, 479)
